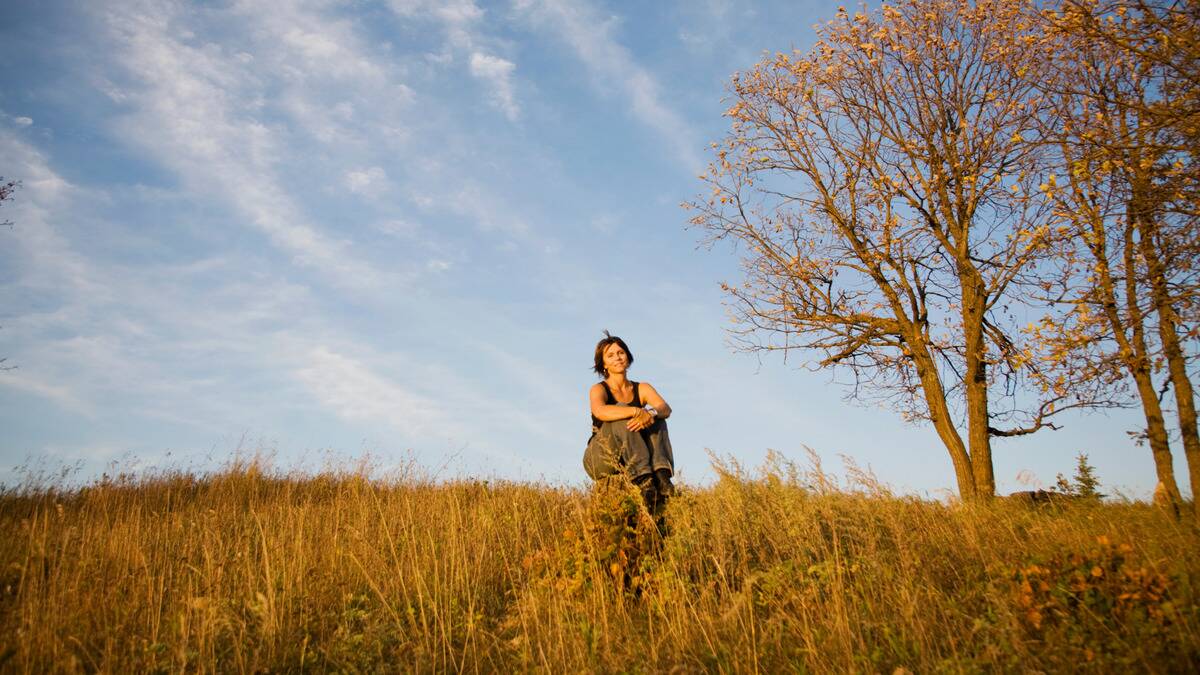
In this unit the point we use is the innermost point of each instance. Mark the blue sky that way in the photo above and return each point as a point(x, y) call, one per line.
point(397, 229)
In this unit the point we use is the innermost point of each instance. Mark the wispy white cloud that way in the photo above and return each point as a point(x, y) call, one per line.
point(18, 121)
point(198, 108)
point(397, 227)
point(356, 392)
point(461, 20)
point(458, 16)
point(450, 11)
point(98, 338)
point(60, 394)
point(431, 402)
point(497, 72)
point(196, 339)
point(31, 165)
point(49, 261)
point(706, 25)
point(369, 182)
point(590, 36)
point(478, 203)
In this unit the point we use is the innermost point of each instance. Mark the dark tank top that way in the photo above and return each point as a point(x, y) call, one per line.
point(609, 399)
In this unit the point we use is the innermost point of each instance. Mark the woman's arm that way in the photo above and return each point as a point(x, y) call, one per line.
point(654, 400)
point(650, 397)
point(605, 412)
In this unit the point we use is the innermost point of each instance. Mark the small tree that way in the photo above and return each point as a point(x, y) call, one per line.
point(1084, 483)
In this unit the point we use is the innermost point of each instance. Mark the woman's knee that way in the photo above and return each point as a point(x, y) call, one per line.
point(616, 429)
point(597, 467)
point(626, 440)
point(603, 455)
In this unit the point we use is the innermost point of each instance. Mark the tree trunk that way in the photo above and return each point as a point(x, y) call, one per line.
point(943, 423)
point(1140, 216)
point(1186, 402)
point(1176, 363)
point(1129, 333)
point(976, 385)
point(1156, 432)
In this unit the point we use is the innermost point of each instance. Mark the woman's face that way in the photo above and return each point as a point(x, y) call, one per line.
point(615, 358)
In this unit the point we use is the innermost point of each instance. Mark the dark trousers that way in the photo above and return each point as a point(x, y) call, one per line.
point(613, 446)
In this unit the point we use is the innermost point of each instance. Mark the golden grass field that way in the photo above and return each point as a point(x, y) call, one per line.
point(775, 570)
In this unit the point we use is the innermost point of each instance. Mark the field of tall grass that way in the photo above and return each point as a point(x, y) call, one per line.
point(771, 570)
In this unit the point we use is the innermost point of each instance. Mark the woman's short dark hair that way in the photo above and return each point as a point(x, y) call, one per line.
point(602, 345)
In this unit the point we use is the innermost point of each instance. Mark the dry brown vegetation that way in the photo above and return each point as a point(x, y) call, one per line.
point(772, 570)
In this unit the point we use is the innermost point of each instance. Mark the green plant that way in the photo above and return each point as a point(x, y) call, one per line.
point(1083, 483)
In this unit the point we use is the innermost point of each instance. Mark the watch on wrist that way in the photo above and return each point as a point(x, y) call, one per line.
point(653, 413)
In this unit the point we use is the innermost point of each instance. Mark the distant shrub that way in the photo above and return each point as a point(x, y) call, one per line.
point(1084, 484)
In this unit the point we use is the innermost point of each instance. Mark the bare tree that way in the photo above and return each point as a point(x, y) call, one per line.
point(884, 188)
point(7, 188)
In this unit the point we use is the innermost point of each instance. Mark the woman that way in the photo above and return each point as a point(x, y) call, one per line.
point(629, 426)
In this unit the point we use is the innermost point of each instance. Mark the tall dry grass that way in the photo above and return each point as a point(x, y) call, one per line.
point(773, 570)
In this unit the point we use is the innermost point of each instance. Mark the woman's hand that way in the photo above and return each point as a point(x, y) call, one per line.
point(640, 420)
